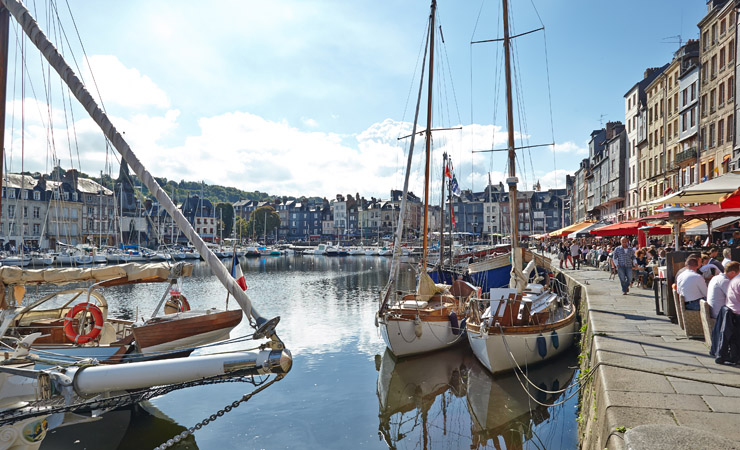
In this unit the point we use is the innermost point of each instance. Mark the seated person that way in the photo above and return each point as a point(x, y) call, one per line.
point(727, 254)
point(717, 289)
point(691, 285)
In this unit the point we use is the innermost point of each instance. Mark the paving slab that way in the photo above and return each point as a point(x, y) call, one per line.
point(723, 404)
point(671, 437)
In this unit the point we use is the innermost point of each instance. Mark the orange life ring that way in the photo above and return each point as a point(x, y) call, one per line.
point(181, 302)
point(71, 333)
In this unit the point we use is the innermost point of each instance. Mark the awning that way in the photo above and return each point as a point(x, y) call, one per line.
point(731, 200)
point(628, 229)
point(707, 192)
point(586, 231)
point(570, 228)
point(700, 228)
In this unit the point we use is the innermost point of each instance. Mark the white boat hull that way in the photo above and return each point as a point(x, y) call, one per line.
point(401, 339)
point(491, 349)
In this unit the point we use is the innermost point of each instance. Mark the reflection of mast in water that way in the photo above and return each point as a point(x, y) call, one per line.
point(501, 408)
point(408, 389)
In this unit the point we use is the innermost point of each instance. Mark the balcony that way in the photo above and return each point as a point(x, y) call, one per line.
point(686, 155)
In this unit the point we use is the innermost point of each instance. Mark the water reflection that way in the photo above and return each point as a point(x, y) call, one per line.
point(135, 427)
point(449, 398)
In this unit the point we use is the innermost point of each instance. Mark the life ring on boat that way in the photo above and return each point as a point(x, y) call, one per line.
point(69, 329)
point(178, 302)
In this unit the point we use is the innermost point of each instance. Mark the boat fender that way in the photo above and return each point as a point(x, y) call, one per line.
point(71, 333)
point(453, 323)
point(555, 339)
point(463, 324)
point(541, 346)
point(417, 327)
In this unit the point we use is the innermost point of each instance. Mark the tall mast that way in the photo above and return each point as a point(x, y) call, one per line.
point(428, 134)
point(517, 280)
point(4, 36)
point(512, 180)
point(442, 212)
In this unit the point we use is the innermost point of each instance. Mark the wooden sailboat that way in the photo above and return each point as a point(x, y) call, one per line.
point(527, 322)
point(175, 333)
point(28, 396)
point(426, 319)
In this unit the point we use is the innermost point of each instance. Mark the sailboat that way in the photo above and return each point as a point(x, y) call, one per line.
point(525, 323)
point(29, 396)
point(426, 319)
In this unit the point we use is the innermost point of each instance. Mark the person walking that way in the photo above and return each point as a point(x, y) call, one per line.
point(575, 252)
point(623, 259)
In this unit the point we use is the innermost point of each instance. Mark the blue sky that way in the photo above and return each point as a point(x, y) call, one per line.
point(309, 97)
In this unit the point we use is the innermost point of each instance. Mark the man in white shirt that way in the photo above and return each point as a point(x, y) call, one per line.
point(717, 289)
point(575, 252)
point(691, 285)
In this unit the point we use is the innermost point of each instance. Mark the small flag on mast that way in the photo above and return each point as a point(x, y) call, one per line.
point(236, 272)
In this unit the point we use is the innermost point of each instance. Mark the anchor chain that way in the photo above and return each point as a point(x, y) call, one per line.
point(220, 413)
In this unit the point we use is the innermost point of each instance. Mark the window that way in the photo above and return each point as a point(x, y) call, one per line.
point(25, 212)
point(670, 103)
point(713, 66)
point(74, 196)
point(692, 120)
point(720, 132)
point(36, 195)
point(684, 121)
point(712, 100)
point(65, 195)
point(11, 211)
point(36, 212)
point(721, 95)
point(11, 193)
point(730, 88)
point(704, 105)
point(722, 58)
point(693, 91)
point(36, 229)
point(722, 27)
point(684, 97)
point(711, 136)
point(670, 129)
point(730, 127)
point(714, 33)
point(24, 194)
point(731, 51)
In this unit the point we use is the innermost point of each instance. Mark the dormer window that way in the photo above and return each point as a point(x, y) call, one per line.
point(36, 195)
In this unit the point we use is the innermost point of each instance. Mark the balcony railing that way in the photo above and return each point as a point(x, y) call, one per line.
point(686, 155)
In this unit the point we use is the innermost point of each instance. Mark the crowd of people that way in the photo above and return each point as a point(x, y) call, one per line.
point(708, 275)
point(633, 265)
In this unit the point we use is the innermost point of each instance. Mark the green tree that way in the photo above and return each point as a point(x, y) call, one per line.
point(258, 218)
point(225, 214)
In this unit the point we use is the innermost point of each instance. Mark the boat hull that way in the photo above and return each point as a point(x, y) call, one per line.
point(181, 331)
point(400, 337)
point(527, 347)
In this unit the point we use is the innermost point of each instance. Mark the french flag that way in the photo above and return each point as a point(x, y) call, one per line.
point(236, 272)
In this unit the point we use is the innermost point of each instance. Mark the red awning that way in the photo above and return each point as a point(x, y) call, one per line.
point(628, 229)
point(730, 200)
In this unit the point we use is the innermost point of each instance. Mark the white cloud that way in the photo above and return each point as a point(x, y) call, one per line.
point(122, 85)
point(570, 147)
point(311, 123)
point(555, 179)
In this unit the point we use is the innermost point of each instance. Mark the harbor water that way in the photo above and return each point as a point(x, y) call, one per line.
point(344, 391)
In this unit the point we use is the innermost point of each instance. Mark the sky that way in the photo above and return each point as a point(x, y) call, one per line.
point(311, 97)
